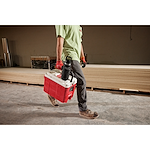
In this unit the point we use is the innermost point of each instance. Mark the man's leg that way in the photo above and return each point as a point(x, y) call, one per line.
point(81, 92)
point(81, 85)
point(53, 101)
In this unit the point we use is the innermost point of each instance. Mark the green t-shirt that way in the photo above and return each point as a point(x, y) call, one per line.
point(72, 35)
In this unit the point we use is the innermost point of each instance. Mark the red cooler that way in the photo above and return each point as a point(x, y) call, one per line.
point(58, 88)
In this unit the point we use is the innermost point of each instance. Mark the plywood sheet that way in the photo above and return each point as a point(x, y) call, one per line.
point(118, 77)
point(135, 78)
point(24, 75)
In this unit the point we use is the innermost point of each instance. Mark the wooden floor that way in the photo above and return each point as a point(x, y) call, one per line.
point(117, 77)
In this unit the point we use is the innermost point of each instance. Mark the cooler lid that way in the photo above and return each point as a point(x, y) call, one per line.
point(53, 75)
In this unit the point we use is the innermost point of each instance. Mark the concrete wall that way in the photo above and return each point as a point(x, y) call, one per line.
point(103, 44)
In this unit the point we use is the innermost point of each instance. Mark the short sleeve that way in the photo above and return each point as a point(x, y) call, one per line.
point(81, 34)
point(60, 30)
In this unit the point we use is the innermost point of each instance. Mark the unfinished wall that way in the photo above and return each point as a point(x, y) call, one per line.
point(29, 41)
point(117, 44)
point(103, 44)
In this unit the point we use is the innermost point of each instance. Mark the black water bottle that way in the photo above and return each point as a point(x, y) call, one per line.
point(66, 69)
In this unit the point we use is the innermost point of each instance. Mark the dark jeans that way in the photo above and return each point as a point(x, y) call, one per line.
point(81, 85)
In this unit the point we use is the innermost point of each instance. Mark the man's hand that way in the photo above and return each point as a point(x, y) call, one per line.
point(59, 64)
point(83, 62)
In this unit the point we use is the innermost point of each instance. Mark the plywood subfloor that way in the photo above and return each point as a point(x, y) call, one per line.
point(119, 77)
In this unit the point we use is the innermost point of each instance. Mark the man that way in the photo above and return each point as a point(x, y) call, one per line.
point(69, 43)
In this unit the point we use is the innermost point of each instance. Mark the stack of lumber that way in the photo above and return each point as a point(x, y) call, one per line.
point(118, 77)
point(23, 75)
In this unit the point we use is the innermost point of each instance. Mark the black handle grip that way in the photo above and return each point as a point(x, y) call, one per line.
point(72, 74)
point(83, 64)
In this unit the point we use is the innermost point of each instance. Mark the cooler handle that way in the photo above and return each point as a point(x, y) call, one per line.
point(72, 74)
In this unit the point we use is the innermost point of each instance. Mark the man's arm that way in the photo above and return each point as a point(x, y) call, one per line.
point(82, 53)
point(82, 57)
point(59, 49)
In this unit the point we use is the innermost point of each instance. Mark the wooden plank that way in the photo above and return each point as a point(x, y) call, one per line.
point(23, 75)
point(136, 78)
point(118, 76)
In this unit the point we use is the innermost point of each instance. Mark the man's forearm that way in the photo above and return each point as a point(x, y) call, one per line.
point(82, 52)
point(82, 58)
point(59, 48)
